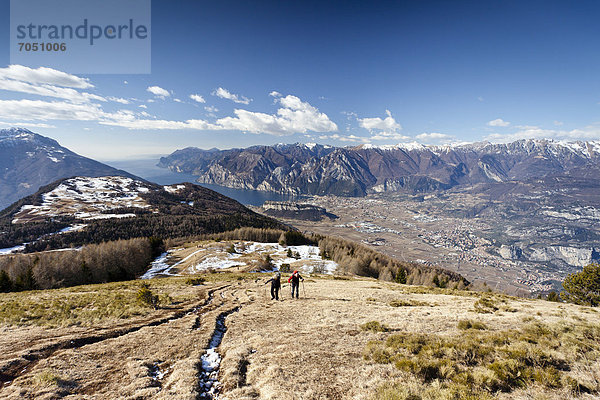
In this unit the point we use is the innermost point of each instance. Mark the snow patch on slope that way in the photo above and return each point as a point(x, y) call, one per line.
point(87, 198)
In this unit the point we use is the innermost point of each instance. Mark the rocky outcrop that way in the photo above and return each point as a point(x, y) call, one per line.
point(576, 257)
point(510, 252)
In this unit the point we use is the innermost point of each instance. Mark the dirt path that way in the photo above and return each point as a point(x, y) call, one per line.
point(236, 343)
point(134, 361)
point(174, 356)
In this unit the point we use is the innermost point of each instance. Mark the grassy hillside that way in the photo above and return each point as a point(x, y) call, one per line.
point(345, 338)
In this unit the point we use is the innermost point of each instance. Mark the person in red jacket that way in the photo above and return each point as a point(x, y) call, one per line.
point(295, 281)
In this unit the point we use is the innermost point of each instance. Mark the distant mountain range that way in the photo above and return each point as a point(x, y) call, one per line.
point(357, 171)
point(29, 161)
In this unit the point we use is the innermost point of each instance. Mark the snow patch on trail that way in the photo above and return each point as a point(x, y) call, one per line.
point(161, 267)
point(156, 373)
point(313, 263)
point(158, 267)
point(209, 384)
point(305, 258)
point(215, 263)
point(11, 250)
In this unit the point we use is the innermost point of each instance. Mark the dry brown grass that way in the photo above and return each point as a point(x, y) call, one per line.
point(88, 305)
point(309, 348)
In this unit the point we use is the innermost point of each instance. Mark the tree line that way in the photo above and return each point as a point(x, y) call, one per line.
point(352, 258)
point(95, 263)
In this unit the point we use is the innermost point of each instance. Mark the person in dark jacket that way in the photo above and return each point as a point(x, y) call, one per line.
point(295, 281)
point(275, 285)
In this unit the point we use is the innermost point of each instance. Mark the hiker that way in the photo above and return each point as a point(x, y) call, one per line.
point(275, 285)
point(295, 281)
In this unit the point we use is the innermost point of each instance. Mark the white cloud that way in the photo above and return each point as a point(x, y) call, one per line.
point(156, 124)
point(143, 106)
point(197, 98)
point(389, 136)
point(25, 125)
point(119, 100)
point(211, 109)
point(176, 100)
point(558, 123)
point(158, 91)
point(48, 90)
point(434, 137)
point(226, 94)
point(348, 138)
point(46, 82)
point(34, 110)
point(275, 93)
point(498, 122)
point(384, 124)
point(591, 132)
point(294, 116)
point(44, 76)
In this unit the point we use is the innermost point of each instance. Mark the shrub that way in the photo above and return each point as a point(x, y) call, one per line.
point(6, 284)
point(374, 326)
point(400, 276)
point(466, 324)
point(583, 287)
point(407, 303)
point(195, 281)
point(553, 296)
point(46, 378)
point(146, 297)
point(440, 282)
point(479, 364)
point(485, 305)
point(377, 353)
point(285, 268)
point(266, 264)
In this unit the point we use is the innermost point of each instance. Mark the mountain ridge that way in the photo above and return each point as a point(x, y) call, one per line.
point(29, 161)
point(356, 171)
point(82, 210)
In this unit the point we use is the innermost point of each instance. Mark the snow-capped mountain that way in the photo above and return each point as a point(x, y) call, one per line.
point(80, 210)
point(355, 171)
point(29, 161)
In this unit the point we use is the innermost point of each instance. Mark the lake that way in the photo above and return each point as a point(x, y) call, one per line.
point(148, 170)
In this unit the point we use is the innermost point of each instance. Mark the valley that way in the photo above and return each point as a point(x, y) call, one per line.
point(486, 247)
point(516, 216)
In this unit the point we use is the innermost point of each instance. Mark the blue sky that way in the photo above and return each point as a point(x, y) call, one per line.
point(341, 73)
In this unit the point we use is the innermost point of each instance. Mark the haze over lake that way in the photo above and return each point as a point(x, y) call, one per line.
point(147, 169)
